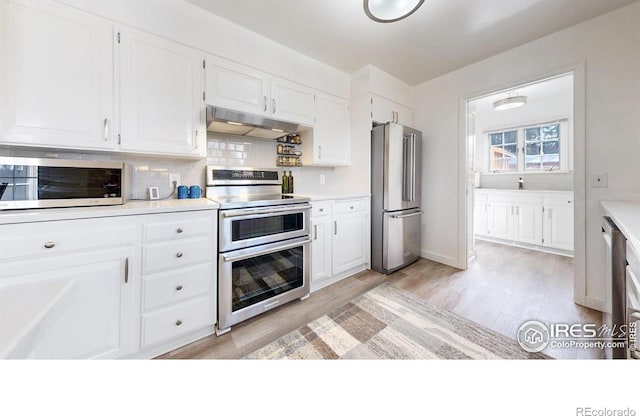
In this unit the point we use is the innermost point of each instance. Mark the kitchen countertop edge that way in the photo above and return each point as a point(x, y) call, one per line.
point(130, 208)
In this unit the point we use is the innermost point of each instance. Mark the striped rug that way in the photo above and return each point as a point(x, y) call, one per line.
point(390, 323)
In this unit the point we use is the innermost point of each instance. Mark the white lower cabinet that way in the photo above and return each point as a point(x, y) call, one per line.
point(541, 219)
point(79, 303)
point(107, 287)
point(341, 240)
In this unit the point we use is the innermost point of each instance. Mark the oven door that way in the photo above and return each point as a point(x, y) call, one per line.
point(254, 280)
point(242, 228)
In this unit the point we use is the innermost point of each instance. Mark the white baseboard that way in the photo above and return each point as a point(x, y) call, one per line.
point(449, 261)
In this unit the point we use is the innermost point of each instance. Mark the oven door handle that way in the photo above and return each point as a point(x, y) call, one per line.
point(269, 211)
point(229, 258)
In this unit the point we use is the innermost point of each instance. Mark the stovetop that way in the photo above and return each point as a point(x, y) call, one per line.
point(258, 200)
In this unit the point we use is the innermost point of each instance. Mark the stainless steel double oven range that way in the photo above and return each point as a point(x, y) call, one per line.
point(263, 243)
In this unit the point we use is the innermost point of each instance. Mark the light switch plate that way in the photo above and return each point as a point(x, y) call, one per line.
point(154, 193)
point(599, 180)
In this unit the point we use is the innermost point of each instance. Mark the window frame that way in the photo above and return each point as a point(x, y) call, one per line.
point(564, 148)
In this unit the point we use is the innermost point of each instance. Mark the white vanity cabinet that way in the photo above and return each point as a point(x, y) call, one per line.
point(536, 219)
point(340, 239)
point(73, 287)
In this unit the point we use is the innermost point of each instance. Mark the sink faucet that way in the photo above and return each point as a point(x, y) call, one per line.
point(520, 183)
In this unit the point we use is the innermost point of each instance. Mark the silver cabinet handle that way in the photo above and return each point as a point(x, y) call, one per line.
point(315, 232)
point(126, 270)
point(178, 322)
point(319, 152)
point(49, 244)
point(273, 105)
point(179, 254)
point(335, 228)
point(106, 129)
point(179, 230)
point(179, 288)
point(265, 103)
point(406, 215)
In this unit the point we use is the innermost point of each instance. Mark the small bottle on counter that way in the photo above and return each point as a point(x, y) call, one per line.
point(285, 183)
point(290, 187)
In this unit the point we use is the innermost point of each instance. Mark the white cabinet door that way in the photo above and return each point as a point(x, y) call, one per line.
point(237, 87)
point(404, 115)
point(86, 307)
point(501, 220)
point(349, 241)
point(480, 215)
point(332, 133)
point(528, 219)
point(162, 107)
point(558, 225)
point(384, 110)
point(320, 248)
point(292, 102)
point(58, 65)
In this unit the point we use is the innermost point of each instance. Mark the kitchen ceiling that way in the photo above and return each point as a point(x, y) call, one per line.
point(443, 35)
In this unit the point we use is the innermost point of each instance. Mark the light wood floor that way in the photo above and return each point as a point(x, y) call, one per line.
point(503, 287)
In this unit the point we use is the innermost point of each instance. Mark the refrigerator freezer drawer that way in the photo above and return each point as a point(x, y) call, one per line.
point(401, 244)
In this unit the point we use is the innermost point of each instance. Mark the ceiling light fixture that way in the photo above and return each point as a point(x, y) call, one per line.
point(510, 102)
point(387, 11)
point(234, 123)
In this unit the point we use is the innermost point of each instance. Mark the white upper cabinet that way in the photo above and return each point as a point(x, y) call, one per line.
point(162, 96)
point(59, 82)
point(291, 101)
point(384, 110)
point(331, 141)
point(242, 88)
point(236, 87)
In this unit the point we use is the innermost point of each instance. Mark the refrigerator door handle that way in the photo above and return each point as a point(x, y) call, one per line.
point(413, 167)
point(406, 168)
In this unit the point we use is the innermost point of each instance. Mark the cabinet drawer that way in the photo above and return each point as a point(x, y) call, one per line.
point(176, 286)
point(346, 206)
point(172, 254)
point(50, 238)
point(181, 225)
point(175, 321)
point(320, 208)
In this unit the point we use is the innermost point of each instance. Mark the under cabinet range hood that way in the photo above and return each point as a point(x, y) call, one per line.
point(222, 120)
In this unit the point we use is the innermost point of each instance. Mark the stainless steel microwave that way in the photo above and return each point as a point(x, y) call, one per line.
point(48, 183)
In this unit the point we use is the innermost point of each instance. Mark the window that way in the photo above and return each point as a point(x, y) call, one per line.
point(504, 151)
point(542, 148)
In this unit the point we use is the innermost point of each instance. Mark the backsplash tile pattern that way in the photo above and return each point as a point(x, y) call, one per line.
point(222, 150)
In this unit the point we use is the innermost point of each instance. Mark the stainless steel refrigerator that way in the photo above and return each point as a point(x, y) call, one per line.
point(396, 165)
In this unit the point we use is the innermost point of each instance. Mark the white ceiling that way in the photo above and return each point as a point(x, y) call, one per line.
point(443, 35)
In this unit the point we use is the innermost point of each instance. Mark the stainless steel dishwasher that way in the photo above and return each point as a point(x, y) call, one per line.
point(615, 275)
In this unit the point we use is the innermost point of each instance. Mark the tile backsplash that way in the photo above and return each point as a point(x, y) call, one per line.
point(222, 150)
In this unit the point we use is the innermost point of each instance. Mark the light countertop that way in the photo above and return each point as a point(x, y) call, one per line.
point(130, 208)
point(324, 197)
point(626, 215)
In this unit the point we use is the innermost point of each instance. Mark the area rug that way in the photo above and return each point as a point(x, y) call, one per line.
point(391, 323)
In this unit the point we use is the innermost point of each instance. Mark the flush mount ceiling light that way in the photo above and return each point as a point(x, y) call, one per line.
point(510, 102)
point(387, 11)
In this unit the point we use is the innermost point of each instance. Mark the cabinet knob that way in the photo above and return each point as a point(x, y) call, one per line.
point(179, 230)
point(321, 209)
point(49, 244)
point(179, 254)
point(179, 287)
point(351, 207)
point(178, 322)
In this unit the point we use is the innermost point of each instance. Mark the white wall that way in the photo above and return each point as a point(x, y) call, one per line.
point(607, 46)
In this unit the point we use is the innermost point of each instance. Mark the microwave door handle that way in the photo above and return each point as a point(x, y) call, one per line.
point(229, 258)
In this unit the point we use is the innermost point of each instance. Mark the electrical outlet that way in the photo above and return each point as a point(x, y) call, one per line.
point(322, 179)
point(174, 177)
point(599, 180)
